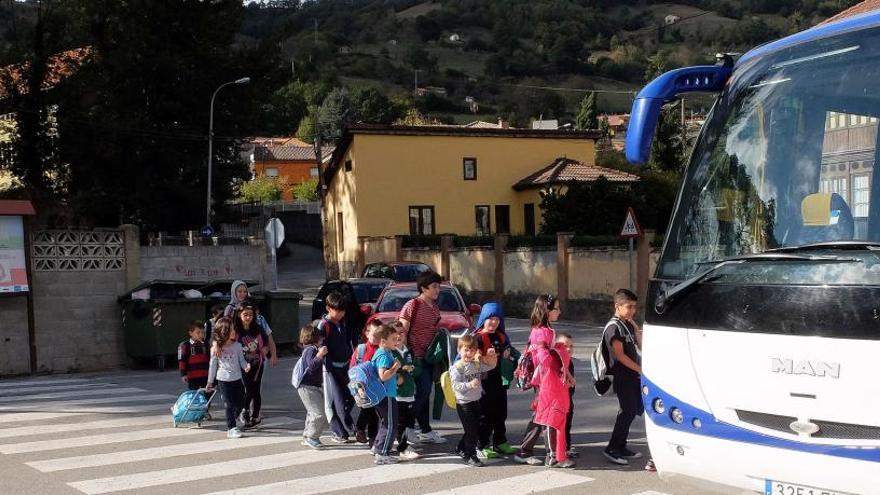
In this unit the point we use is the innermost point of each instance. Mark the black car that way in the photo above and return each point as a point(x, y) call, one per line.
point(399, 271)
point(356, 291)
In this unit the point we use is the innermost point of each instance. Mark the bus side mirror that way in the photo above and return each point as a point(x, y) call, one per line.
point(648, 103)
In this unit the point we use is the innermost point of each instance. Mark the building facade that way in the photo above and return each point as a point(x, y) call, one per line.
point(394, 180)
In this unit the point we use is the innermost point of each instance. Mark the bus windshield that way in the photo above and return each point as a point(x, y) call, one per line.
point(786, 159)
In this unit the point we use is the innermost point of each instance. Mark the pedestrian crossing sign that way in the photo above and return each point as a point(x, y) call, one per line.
point(630, 225)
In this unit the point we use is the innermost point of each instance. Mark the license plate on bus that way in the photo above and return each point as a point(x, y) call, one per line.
point(782, 488)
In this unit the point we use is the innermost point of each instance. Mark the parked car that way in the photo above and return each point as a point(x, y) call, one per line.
point(357, 291)
point(455, 315)
point(399, 271)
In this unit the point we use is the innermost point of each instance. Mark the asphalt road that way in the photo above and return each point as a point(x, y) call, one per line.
point(111, 433)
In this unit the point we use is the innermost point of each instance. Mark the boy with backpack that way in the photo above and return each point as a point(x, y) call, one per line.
point(308, 380)
point(340, 344)
point(367, 423)
point(406, 397)
point(386, 409)
point(621, 336)
point(465, 376)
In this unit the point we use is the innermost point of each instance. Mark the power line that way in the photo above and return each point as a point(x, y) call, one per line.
point(574, 90)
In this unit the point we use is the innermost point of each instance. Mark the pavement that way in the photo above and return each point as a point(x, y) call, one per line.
point(111, 432)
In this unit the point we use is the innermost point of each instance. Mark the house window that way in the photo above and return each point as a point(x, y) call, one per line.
point(313, 172)
point(836, 185)
point(271, 172)
point(502, 219)
point(861, 195)
point(469, 168)
point(482, 221)
point(348, 165)
point(421, 220)
point(340, 238)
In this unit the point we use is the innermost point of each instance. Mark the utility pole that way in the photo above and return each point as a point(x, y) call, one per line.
point(316, 32)
point(416, 84)
point(683, 127)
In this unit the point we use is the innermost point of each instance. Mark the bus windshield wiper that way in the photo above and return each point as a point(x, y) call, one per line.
point(668, 296)
point(841, 245)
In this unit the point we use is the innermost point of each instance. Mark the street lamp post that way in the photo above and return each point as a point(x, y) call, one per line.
point(243, 80)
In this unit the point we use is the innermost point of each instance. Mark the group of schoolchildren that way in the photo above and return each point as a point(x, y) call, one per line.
point(484, 367)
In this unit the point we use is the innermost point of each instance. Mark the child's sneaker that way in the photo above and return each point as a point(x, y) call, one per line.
point(650, 466)
point(566, 464)
point(629, 454)
point(616, 458)
point(487, 453)
point(409, 454)
point(474, 461)
point(505, 449)
point(233, 433)
point(411, 436)
point(530, 460)
point(339, 439)
point(431, 437)
point(360, 436)
point(312, 443)
point(384, 459)
point(572, 454)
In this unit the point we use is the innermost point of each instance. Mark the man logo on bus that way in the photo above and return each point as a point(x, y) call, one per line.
point(811, 368)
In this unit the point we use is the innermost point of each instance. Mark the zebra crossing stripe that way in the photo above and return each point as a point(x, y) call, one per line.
point(350, 479)
point(126, 436)
point(47, 388)
point(73, 393)
point(81, 411)
point(96, 460)
point(548, 479)
point(25, 383)
point(209, 471)
point(23, 431)
point(83, 405)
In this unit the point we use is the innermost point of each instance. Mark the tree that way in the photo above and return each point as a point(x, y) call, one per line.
point(371, 105)
point(335, 113)
point(133, 120)
point(586, 117)
point(307, 128)
point(306, 191)
point(284, 110)
point(668, 147)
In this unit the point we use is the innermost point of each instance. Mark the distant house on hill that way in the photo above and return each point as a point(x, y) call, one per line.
point(671, 19)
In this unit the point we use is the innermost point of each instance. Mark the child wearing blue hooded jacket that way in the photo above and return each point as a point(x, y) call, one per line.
point(490, 335)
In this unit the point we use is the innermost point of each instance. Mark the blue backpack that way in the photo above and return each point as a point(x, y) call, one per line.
point(365, 386)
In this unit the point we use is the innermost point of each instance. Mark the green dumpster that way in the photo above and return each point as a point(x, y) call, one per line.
point(155, 315)
point(281, 309)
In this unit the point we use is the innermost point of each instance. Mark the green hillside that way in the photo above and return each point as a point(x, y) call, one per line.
point(517, 59)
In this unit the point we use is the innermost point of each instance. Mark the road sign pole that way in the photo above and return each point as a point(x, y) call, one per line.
point(632, 270)
point(274, 254)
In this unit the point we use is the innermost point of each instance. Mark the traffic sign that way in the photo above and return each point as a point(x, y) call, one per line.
point(630, 225)
point(207, 231)
point(275, 232)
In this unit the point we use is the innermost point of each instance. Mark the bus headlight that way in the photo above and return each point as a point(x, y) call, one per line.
point(676, 415)
point(658, 405)
point(645, 390)
point(696, 423)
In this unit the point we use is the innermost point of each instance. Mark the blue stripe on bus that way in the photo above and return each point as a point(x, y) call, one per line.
point(712, 427)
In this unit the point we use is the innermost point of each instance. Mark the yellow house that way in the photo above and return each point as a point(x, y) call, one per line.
point(391, 180)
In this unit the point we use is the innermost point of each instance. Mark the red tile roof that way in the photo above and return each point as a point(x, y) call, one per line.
point(859, 8)
point(566, 170)
point(287, 153)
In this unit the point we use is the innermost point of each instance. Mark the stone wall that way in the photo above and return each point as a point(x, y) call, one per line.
point(203, 263)
point(14, 346)
point(77, 321)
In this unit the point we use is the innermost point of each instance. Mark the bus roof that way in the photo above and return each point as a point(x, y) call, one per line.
point(846, 25)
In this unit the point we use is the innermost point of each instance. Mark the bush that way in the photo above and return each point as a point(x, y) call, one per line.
point(261, 190)
point(306, 191)
point(416, 241)
point(473, 241)
point(518, 241)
